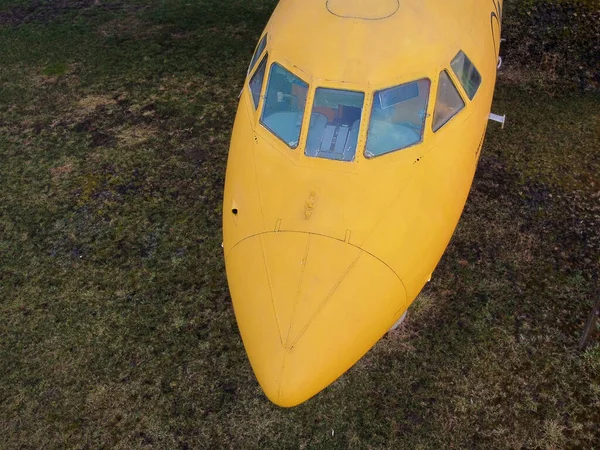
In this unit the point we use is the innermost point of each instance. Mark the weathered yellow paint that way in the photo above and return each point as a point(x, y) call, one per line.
point(324, 256)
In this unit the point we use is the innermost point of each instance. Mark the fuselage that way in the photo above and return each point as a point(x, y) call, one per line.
point(354, 147)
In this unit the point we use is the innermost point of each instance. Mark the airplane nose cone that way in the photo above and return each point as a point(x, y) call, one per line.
point(308, 307)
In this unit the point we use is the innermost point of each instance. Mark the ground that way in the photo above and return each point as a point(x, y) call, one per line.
point(116, 326)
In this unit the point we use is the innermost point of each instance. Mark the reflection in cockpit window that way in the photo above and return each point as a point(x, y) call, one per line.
point(398, 118)
point(259, 49)
point(448, 102)
point(284, 105)
point(256, 82)
point(334, 124)
point(466, 73)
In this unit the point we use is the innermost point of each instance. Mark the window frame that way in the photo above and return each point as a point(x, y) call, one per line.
point(361, 123)
point(370, 115)
point(460, 95)
point(261, 108)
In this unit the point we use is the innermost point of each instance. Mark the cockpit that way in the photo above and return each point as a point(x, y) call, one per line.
point(395, 118)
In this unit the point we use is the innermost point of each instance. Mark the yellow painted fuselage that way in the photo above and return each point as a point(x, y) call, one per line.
point(323, 256)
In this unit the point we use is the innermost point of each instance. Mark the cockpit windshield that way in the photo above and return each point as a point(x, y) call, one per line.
point(256, 82)
point(259, 49)
point(284, 105)
point(397, 121)
point(466, 73)
point(448, 102)
point(334, 124)
point(397, 118)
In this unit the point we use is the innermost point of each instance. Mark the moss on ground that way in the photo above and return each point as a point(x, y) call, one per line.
point(552, 44)
point(116, 327)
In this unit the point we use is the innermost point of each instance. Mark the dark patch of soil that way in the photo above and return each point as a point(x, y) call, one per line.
point(41, 11)
point(100, 139)
point(45, 11)
point(560, 40)
point(104, 118)
point(566, 222)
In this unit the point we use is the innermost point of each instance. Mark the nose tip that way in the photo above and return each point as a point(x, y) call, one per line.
point(308, 307)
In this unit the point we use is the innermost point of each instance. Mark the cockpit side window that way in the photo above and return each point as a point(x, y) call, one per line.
point(466, 73)
point(397, 118)
point(334, 124)
point(256, 82)
point(448, 102)
point(259, 49)
point(284, 105)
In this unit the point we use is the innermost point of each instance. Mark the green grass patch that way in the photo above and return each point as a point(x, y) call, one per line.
point(55, 69)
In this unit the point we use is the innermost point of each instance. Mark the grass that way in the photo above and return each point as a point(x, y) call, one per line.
point(116, 328)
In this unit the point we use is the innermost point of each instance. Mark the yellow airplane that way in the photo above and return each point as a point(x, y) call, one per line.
point(354, 147)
